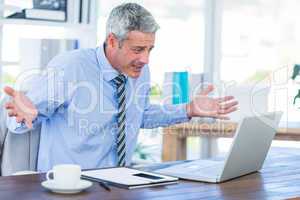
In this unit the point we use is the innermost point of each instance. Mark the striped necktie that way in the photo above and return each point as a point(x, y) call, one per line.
point(121, 138)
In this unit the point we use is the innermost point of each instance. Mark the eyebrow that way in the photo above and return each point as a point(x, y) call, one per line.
point(142, 47)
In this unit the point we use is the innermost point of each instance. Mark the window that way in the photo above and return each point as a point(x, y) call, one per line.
point(260, 45)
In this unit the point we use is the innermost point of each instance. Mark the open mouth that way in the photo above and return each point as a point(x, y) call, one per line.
point(138, 69)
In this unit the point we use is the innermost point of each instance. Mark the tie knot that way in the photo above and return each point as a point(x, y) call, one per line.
point(119, 80)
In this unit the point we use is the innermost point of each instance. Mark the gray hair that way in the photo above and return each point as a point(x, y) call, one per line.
point(130, 17)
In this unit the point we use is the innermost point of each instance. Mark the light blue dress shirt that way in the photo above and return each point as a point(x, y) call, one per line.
point(77, 105)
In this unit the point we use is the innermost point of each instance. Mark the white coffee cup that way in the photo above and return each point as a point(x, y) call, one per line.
point(65, 176)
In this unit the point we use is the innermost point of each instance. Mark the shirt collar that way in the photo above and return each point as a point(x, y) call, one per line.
point(109, 73)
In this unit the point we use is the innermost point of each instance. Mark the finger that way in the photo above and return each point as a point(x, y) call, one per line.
point(10, 91)
point(12, 113)
point(227, 111)
point(19, 119)
point(226, 98)
point(207, 90)
point(228, 105)
point(10, 105)
point(28, 122)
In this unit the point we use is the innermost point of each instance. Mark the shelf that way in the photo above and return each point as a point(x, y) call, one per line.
point(25, 22)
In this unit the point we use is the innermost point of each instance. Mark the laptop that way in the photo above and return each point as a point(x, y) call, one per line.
point(248, 151)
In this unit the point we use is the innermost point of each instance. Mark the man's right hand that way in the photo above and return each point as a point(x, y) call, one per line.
point(20, 107)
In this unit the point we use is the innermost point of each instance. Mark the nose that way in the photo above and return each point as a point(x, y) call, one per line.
point(144, 58)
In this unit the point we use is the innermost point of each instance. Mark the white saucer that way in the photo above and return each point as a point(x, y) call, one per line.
point(82, 185)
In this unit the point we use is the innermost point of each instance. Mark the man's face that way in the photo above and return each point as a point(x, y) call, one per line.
point(133, 53)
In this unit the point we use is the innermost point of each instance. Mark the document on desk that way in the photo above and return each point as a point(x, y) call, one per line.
point(128, 178)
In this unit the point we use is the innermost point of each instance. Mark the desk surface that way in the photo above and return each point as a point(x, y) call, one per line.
point(279, 179)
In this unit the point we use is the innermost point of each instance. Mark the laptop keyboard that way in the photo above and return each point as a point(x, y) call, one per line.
point(199, 167)
point(200, 164)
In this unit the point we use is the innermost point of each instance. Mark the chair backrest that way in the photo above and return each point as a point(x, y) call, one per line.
point(18, 151)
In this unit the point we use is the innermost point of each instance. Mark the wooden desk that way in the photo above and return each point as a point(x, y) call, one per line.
point(279, 179)
point(174, 137)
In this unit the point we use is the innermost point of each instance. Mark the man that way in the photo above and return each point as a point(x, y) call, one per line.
point(92, 102)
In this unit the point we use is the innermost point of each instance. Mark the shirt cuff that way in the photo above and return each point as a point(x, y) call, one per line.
point(21, 127)
point(178, 114)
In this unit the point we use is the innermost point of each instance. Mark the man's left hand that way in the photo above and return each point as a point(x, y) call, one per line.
point(204, 106)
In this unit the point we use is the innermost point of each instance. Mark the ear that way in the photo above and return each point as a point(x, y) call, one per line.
point(112, 41)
